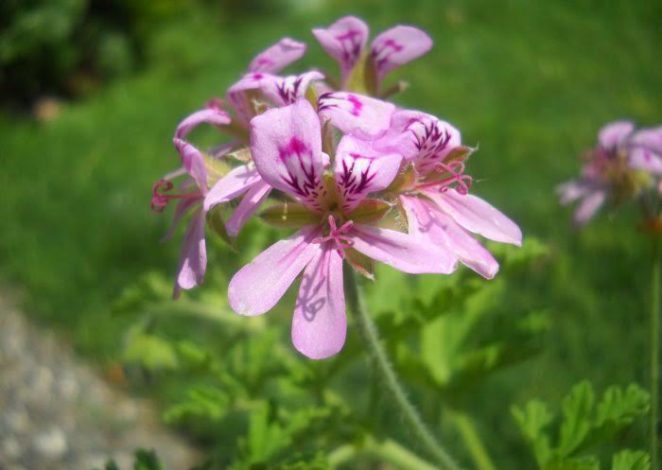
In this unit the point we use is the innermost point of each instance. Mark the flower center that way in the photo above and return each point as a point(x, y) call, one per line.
point(338, 235)
point(160, 199)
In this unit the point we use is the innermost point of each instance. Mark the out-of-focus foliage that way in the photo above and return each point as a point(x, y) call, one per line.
point(70, 46)
point(583, 424)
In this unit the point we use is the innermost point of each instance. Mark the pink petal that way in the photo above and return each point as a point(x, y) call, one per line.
point(419, 137)
point(360, 170)
point(357, 115)
point(571, 191)
point(589, 206)
point(232, 185)
point(427, 221)
point(249, 204)
point(344, 40)
point(180, 210)
point(477, 216)
point(646, 150)
point(614, 134)
point(397, 46)
point(194, 163)
point(319, 324)
point(287, 150)
point(193, 258)
point(212, 114)
point(259, 285)
point(403, 252)
point(286, 90)
point(278, 56)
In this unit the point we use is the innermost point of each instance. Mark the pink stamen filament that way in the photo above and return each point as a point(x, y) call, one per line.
point(337, 235)
point(160, 200)
point(456, 177)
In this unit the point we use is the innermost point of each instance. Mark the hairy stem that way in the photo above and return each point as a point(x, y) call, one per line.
point(655, 356)
point(385, 369)
point(388, 450)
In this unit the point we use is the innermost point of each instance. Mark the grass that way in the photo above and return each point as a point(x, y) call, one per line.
point(529, 82)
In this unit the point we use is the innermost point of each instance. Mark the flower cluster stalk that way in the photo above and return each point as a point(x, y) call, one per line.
point(384, 367)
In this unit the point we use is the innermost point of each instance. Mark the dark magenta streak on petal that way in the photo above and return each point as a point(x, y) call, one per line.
point(258, 76)
point(356, 105)
point(387, 48)
point(351, 46)
point(307, 188)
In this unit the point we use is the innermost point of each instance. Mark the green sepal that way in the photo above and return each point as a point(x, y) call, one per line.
point(370, 211)
point(289, 215)
point(362, 78)
point(361, 263)
point(217, 224)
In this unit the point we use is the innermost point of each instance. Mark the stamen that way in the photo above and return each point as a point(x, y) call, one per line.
point(338, 235)
point(160, 200)
point(456, 179)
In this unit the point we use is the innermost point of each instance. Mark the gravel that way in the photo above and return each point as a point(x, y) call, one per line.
point(57, 413)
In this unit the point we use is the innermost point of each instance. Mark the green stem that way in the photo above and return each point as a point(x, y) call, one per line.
point(388, 450)
point(384, 367)
point(655, 357)
point(473, 442)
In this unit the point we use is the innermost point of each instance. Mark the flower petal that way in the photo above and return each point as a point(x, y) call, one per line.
point(614, 134)
point(194, 162)
point(259, 285)
point(589, 206)
point(287, 150)
point(277, 57)
point(570, 191)
point(360, 170)
point(319, 325)
point(419, 136)
point(344, 40)
point(232, 185)
point(646, 150)
point(477, 216)
point(397, 46)
point(286, 90)
point(181, 209)
point(249, 204)
point(357, 115)
point(211, 114)
point(427, 221)
point(193, 258)
point(400, 250)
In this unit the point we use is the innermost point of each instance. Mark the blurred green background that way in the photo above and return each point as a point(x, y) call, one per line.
point(91, 93)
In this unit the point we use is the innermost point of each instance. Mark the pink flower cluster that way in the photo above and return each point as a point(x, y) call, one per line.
point(362, 181)
point(625, 164)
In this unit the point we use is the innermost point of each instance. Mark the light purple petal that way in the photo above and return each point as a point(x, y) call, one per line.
point(646, 150)
point(212, 114)
point(589, 206)
point(180, 210)
point(249, 204)
point(232, 185)
point(344, 40)
point(238, 96)
point(287, 150)
point(360, 170)
point(357, 115)
point(259, 285)
point(397, 46)
point(193, 258)
point(427, 221)
point(194, 163)
point(614, 134)
point(419, 137)
point(319, 325)
point(477, 216)
point(572, 190)
point(402, 251)
point(277, 57)
point(286, 90)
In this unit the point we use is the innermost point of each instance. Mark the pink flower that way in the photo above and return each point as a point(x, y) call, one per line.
point(620, 167)
point(436, 196)
point(338, 221)
point(346, 39)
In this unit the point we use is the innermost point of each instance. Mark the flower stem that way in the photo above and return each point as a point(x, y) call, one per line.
point(384, 367)
point(472, 440)
point(655, 356)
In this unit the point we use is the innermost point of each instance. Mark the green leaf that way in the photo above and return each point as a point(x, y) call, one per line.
point(146, 460)
point(577, 421)
point(582, 463)
point(202, 401)
point(631, 460)
point(532, 421)
point(149, 351)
